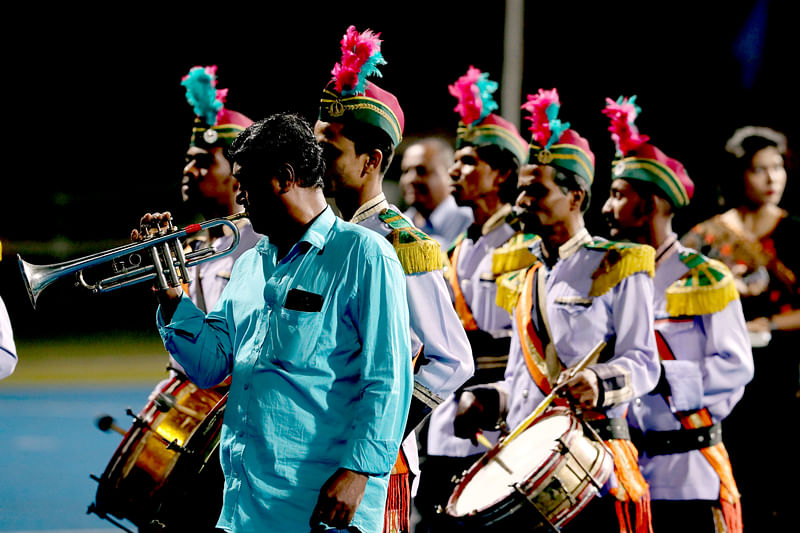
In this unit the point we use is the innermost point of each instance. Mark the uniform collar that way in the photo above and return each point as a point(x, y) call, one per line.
point(496, 220)
point(371, 207)
point(574, 243)
point(667, 248)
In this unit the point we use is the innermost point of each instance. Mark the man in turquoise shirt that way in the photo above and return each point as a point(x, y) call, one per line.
point(313, 328)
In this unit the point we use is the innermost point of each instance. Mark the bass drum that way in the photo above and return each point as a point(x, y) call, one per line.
point(537, 481)
point(165, 475)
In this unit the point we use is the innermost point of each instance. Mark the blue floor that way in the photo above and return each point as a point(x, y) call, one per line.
point(49, 445)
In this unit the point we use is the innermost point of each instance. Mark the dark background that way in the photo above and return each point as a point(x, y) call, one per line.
point(97, 123)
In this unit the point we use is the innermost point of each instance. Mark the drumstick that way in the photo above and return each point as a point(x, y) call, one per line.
point(565, 376)
point(480, 437)
point(106, 422)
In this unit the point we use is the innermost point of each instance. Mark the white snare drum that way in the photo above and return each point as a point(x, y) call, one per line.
point(555, 470)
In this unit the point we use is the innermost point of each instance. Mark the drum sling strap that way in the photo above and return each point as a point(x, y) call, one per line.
point(716, 454)
point(545, 370)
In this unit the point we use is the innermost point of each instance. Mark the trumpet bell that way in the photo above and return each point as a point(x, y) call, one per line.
point(35, 279)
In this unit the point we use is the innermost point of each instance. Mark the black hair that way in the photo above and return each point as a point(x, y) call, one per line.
point(367, 138)
point(569, 181)
point(282, 138)
point(742, 147)
point(503, 161)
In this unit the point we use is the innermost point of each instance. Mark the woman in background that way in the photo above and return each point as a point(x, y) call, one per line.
point(757, 238)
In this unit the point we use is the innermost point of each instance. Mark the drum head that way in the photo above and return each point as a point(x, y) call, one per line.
point(525, 455)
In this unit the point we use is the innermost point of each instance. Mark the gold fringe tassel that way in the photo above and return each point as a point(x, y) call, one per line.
point(620, 263)
point(687, 297)
point(418, 256)
point(514, 254)
point(509, 289)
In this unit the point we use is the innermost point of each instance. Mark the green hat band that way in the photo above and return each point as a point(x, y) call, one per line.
point(566, 156)
point(654, 172)
point(492, 134)
point(221, 134)
point(362, 109)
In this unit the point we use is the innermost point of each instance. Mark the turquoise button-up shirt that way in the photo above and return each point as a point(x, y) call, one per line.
point(318, 383)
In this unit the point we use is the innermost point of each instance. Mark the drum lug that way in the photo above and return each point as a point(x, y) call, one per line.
point(178, 448)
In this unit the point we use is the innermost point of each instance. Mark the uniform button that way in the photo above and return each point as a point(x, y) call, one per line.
point(525, 393)
point(246, 386)
point(638, 402)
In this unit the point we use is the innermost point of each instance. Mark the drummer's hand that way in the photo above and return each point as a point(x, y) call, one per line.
point(478, 408)
point(150, 223)
point(468, 416)
point(339, 498)
point(583, 389)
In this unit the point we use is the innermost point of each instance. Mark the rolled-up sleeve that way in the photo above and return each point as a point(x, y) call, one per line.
point(200, 343)
point(379, 416)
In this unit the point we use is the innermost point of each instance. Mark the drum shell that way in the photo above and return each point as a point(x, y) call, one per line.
point(552, 494)
point(146, 483)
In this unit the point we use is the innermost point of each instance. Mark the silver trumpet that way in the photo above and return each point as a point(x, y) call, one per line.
point(168, 264)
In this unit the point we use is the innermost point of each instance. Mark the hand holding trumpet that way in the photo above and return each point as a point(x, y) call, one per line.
point(153, 225)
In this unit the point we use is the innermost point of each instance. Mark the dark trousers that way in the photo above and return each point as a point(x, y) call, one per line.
point(686, 516)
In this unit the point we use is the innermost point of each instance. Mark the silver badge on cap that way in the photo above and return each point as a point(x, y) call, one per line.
point(210, 136)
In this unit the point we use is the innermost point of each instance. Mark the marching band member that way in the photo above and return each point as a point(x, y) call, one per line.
point(582, 291)
point(489, 152)
point(425, 180)
point(359, 127)
point(702, 340)
point(208, 185)
point(313, 330)
point(8, 350)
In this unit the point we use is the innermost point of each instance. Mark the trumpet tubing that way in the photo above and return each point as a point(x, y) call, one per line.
point(168, 264)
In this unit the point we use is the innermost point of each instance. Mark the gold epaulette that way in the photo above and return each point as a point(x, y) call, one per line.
point(514, 254)
point(416, 251)
point(708, 287)
point(509, 289)
point(621, 260)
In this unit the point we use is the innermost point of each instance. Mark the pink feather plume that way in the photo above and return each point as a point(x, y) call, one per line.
point(537, 105)
point(360, 57)
point(624, 132)
point(466, 90)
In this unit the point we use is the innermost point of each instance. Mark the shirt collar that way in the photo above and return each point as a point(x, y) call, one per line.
point(442, 213)
point(375, 205)
point(315, 235)
point(496, 220)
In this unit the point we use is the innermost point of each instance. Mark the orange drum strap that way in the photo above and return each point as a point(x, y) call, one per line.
point(462, 309)
point(529, 340)
point(716, 455)
point(398, 500)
